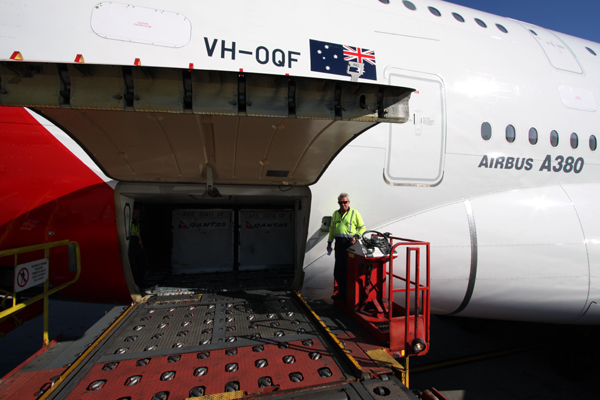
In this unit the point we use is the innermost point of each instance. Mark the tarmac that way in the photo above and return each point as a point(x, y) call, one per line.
point(498, 360)
point(69, 318)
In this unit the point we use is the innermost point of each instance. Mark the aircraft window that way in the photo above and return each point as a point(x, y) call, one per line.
point(480, 23)
point(501, 28)
point(384, 1)
point(574, 140)
point(593, 143)
point(409, 5)
point(554, 138)
point(532, 31)
point(511, 134)
point(486, 131)
point(591, 51)
point(458, 17)
point(533, 136)
point(436, 12)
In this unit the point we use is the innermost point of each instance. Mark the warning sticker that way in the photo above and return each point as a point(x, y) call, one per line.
point(30, 274)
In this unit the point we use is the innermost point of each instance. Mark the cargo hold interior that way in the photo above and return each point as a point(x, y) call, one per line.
point(235, 238)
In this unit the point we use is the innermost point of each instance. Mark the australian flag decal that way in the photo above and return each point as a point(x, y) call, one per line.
point(337, 59)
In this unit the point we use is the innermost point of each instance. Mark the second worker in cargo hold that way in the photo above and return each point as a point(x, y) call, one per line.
point(346, 228)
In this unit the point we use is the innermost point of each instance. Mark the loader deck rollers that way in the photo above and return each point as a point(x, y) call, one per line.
point(180, 344)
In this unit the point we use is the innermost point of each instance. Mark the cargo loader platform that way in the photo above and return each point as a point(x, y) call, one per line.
point(251, 344)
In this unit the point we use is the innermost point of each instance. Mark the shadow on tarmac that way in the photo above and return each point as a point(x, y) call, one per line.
point(488, 359)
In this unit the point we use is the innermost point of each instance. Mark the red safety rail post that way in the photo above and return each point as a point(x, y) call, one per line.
point(419, 290)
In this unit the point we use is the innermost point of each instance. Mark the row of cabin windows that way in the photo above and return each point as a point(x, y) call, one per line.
point(410, 5)
point(511, 135)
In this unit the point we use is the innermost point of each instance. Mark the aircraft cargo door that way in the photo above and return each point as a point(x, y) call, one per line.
point(415, 151)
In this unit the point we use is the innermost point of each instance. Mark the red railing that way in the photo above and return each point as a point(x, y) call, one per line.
point(421, 291)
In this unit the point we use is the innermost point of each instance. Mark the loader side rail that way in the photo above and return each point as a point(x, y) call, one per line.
point(47, 291)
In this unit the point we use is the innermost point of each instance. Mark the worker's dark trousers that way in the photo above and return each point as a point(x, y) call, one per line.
point(341, 263)
point(139, 262)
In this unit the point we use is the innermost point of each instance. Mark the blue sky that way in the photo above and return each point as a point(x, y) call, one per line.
point(575, 17)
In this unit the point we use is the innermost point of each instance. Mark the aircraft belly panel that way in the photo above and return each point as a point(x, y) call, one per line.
point(527, 217)
point(517, 283)
point(531, 257)
point(449, 278)
point(591, 309)
point(451, 251)
point(585, 200)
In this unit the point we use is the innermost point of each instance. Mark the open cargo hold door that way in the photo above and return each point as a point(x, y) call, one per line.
point(220, 160)
point(173, 125)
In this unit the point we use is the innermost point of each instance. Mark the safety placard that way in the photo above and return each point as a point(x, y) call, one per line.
point(30, 274)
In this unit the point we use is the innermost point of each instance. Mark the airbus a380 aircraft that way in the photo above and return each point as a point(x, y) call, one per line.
point(205, 115)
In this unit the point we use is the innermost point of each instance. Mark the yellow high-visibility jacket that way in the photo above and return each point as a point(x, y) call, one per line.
point(347, 225)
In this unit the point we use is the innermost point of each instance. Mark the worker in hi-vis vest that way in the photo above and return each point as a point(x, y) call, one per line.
point(346, 227)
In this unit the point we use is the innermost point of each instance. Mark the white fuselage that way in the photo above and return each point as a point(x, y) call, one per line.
point(514, 228)
point(514, 233)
